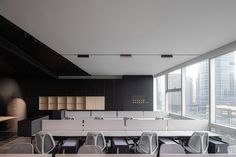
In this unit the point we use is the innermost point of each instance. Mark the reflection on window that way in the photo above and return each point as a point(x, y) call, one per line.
point(161, 92)
point(224, 73)
point(174, 102)
point(196, 90)
point(174, 79)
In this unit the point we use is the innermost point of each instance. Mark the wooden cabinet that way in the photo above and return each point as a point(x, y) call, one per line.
point(80, 103)
point(43, 103)
point(72, 103)
point(53, 103)
point(95, 103)
point(62, 102)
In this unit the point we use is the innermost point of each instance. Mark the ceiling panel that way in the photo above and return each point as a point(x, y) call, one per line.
point(126, 26)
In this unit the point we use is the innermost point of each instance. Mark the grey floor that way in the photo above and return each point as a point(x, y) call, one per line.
point(5, 144)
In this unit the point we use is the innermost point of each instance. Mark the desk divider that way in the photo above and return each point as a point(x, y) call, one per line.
point(133, 114)
point(105, 114)
point(154, 114)
point(185, 125)
point(78, 114)
point(119, 125)
point(152, 125)
point(49, 125)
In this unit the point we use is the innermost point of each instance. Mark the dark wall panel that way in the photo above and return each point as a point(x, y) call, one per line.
point(119, 93)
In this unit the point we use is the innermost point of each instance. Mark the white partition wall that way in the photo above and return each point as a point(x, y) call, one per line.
point(134, 114)
point(78, 114)
point(105, 114)
point(185, 125)
point(71, 125)
point(155, 125)
point(103, 125)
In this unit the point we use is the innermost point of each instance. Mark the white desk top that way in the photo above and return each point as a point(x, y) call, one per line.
point(66, 133)
point(145, 155)
point(25, 155)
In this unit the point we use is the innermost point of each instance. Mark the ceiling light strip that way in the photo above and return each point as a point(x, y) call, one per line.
point(132, 54)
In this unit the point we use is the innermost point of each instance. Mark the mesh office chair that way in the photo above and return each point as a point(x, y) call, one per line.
point(198, 143)
point(171, 149)
point(44, 142)
point(232, 149)
point(90, 149)
point(21, 148)
point(98, 118)
point(148, 143)
point(97, 139)
point(69, 118)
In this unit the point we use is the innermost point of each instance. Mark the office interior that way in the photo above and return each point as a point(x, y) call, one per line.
point(118, 78)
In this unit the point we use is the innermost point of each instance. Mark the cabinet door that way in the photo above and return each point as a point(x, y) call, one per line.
point(90, 102)
point(100, 103)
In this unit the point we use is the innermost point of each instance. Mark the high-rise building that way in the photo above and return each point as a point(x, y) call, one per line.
point(224, 80)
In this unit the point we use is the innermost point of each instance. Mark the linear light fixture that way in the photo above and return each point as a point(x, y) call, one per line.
point(129, 55)
point(83, 56)
point(166, 56)
point(125, 55)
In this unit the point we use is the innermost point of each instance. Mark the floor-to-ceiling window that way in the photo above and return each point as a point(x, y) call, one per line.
point(161, 92)
point(224, 89)
point(174, 92)
point(197, 90)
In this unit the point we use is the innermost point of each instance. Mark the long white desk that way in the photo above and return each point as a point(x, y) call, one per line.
point(145, 155)
point(76, 133)
point(25, 155)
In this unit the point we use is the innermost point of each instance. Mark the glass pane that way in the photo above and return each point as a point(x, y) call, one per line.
point(225, 89)
point(174, 102)
point(196, 90)
point(174, 79)
point(161, 93)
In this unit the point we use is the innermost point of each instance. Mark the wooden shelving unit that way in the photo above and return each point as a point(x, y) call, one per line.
point(43, 103)
point(80, 103)
point(71, 103)
point(53, 103)
point(62, 102)
point(95, 103)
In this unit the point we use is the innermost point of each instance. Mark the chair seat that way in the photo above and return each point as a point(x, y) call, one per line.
point(90, 149)
point(189, 150)
point(171, 149)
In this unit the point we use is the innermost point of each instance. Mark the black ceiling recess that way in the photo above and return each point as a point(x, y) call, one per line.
point(21, 55)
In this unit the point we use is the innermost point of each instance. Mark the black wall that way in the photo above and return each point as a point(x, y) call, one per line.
point(131, 93)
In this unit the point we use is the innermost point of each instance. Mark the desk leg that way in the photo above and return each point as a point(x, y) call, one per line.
point(31, 140)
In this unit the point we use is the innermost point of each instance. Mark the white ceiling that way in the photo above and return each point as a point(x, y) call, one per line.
point(126, 26)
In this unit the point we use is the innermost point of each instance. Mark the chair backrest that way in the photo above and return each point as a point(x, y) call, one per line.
point(148, 143)
point(21, 148)
point(171, 149)
point(199, 142)
point(232, 149)
point(96, 138)
point(44, 142)
point(90, 149)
